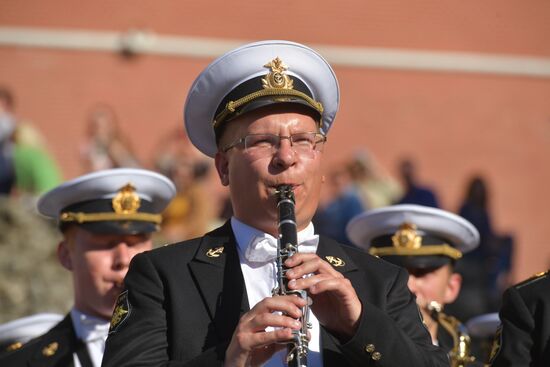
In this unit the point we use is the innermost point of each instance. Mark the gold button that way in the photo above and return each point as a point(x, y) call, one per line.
point(50, 350)
point(369, 348)
point(376, 356)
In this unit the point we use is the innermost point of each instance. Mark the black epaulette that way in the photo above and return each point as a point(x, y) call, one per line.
point(534, 278)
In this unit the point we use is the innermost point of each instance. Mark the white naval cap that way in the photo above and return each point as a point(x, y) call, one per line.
point(17, 332)
point(413, 235)
point(256, 75)
point(117, 201)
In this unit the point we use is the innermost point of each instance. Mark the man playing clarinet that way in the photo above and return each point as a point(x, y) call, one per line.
point(263, 111)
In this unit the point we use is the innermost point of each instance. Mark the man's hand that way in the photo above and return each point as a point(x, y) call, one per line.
point(335, 302)
point(251, 345)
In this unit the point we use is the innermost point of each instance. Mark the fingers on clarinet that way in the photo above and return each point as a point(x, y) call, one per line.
point(288, 304)
point(340, 285)
point(305, 283)
point(271, 337)
point(261, 322)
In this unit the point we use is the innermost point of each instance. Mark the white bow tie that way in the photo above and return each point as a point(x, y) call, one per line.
point(263, 248)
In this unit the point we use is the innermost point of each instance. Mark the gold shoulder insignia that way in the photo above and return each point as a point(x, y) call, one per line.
point(335, 261)
point(121, 312)
point(14, 346)
point(50, 349)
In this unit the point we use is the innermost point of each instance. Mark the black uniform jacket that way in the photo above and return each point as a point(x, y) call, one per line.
point(524, 336)
point(53, 349)
point(185, 300)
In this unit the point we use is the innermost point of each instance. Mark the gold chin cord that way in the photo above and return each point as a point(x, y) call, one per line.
point(288, 246)
point(460, 353)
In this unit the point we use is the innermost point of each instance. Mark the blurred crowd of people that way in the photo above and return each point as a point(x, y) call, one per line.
point(28, 169)
point(360, 184)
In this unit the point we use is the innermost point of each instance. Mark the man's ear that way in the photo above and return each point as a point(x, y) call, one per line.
point(64, 255)
point(222, 166)
point(453, 288)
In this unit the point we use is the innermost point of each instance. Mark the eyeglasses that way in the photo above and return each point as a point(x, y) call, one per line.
point(263, 145)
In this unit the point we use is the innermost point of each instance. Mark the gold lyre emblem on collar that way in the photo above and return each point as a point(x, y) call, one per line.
point(277, 78)
point(126, 201)
point(406, 237)
point(335, 261)
point(215, 252)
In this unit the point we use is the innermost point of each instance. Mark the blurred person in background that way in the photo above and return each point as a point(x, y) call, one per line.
point(27, 168)
point(105, 145)
point(494, 254)
point(105, 219)
point(192, 212)
point(340, 202)
point(376, 187)
point(414, 193)
point(427, 242)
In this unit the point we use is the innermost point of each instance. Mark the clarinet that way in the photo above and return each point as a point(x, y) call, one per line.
point(288, 246)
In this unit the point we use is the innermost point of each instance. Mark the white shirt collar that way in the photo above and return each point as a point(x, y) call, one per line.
point(89, 328)
point(245, 233)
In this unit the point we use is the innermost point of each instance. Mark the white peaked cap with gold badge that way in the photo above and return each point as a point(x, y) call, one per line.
point(413, 235)
point(256, 75)
point(113, 201)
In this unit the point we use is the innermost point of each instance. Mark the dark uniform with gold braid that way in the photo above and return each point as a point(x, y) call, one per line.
point(184, 301)
point(55, 348)
point(523, 339)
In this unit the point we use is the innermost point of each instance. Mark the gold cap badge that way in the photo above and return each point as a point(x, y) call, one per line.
point(126, 201)
point(406, 237)
point(277, 78)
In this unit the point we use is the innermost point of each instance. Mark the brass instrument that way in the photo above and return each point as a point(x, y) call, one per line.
point(288, 246)
point(460, 353)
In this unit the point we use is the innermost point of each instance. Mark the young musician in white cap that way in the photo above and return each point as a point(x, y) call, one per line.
point(106, 218)
point(263, 112)
point(427, 242)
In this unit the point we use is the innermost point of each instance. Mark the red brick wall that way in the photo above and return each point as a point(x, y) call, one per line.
point(453, 124)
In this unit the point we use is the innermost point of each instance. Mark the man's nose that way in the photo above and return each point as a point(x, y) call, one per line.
point(285, 156)
point(122, 256)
